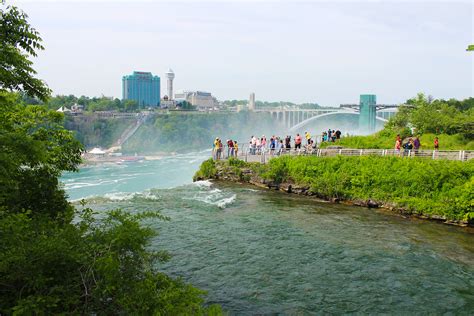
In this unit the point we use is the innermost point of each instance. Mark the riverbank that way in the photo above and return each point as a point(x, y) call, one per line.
point(436, 190)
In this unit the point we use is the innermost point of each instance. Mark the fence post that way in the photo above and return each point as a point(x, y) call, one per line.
point(361, 152)
point(246, 150)
point(340, 151)
point(460, 155)
point(433, 156)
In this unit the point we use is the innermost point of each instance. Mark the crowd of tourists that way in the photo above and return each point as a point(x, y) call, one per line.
point(218, 148)
point(276, 145)
point(331, 135)
point(413, 144)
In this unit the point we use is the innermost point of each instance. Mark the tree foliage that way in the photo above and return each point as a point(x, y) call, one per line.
point(436, 116)
point(54, 258)
point(18, 42)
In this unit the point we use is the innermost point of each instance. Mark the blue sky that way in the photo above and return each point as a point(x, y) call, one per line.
point(307, 51)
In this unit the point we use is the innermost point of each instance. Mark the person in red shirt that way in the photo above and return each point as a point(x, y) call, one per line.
point(297, 141)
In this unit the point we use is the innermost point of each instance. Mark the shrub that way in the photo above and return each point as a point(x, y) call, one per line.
point(207, 170)
point(430, 187)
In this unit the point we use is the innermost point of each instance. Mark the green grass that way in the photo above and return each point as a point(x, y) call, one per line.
point(426, 187)
point(384, 140)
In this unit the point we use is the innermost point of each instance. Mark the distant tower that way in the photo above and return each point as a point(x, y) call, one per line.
point(170, 77)
point(252, 102)
point(367, 113)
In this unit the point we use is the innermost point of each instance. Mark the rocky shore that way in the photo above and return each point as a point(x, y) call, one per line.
point(248, 175)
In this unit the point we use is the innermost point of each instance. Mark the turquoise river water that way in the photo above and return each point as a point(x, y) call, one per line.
point(262, 252)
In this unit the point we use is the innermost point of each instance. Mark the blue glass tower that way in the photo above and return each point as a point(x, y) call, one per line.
point(367, 113)
point(142, 87)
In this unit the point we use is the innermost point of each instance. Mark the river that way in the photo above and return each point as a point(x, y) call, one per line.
point(262, 252)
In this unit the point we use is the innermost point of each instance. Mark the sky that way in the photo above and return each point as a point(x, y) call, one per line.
point(299, 51)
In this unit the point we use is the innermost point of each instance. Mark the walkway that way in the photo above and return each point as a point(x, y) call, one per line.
point(265, 155)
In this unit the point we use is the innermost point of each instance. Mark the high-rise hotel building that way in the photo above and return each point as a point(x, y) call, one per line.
point(142, 87)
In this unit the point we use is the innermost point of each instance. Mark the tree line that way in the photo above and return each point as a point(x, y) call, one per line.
point(56, 258)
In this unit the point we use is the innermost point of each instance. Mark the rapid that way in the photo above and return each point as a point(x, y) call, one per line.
point(261, 252)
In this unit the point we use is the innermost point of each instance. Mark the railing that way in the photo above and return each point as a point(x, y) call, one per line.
point(264, 154)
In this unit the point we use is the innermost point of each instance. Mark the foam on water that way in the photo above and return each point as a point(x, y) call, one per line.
point(203, 183)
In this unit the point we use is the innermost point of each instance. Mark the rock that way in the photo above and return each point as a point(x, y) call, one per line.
point(372, 204)
point(359, 202)
point(300, 189)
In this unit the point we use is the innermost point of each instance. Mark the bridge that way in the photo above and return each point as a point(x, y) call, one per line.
point(367, 112)
point(295, 119)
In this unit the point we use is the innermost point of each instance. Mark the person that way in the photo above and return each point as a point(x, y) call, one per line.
point(258, 145)
point(416, 144)
point(253, 145)
point(216, 147)
point(398, 143)
point(272, 145)
point(278, 147)
point(333, 136)
point(308, 137)
point(288, 142)
point(230, 148)
point(236, 148)
point(219, 149)
point(329, 137)
point(338, 134)
point(408, 146)
point(297, 141)
point(436, 143)
point(264, 142)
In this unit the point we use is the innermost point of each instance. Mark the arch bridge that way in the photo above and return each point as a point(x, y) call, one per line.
point(294, 119)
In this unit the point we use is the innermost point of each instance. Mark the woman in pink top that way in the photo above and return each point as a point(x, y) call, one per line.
point(297, 141)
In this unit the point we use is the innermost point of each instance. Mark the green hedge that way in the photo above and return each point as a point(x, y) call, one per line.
point(428, 187)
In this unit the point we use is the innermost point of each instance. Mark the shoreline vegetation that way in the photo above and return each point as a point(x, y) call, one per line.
point(438, 190)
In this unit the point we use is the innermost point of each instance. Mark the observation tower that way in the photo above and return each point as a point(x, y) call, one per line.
point(170, 77)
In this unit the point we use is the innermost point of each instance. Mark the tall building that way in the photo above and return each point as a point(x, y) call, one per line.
point(170, 77)
point(367, 113)
point(252, 102)
point(142, 87)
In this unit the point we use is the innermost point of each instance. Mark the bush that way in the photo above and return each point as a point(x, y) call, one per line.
point(207, 170)
point(430, 187)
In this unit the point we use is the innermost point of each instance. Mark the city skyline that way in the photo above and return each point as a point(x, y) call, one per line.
point(327, 53)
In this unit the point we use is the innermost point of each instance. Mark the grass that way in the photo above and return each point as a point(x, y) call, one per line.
point(426, 187)
point(383, 140)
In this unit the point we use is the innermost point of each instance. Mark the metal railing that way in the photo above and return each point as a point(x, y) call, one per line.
point(264, 154)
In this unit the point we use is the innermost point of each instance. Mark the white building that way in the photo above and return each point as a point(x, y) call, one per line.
point(200, 99)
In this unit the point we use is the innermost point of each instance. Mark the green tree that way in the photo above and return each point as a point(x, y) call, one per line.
point(55, 259)
point(18, 42)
